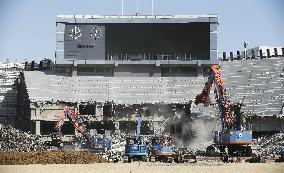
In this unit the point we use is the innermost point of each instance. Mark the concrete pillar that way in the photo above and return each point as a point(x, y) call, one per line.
point(99, 110)
point(26, 65)
point(224, 56)
point(37, 127)
point(200, 71)
point(260, 54)
point(74, 71)
point(238, 55)
point(40, 66)
point(76, 108)
point(243, 55)
point(268, 53)
point(252, 54)
point(116, 125)
point(275, 52)
point(231, 56)
point(32, 65)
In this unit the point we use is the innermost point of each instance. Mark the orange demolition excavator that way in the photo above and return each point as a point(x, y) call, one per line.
point(75, 120)
point(232, 135)
point(96, 144)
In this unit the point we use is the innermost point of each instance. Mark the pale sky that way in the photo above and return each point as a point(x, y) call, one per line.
point(28, 26)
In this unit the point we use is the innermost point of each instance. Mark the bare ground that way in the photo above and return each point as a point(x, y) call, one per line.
point(147, 168)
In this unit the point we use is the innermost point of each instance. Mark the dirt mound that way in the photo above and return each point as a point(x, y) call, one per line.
point(51, 157)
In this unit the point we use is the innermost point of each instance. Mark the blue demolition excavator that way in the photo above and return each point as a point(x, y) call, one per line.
point(161, 148)
point(135, 148)
point(232, 139)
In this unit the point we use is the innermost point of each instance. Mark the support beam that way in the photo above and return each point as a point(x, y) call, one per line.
point(37, 127)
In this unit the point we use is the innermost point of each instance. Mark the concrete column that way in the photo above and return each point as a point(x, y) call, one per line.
point(37, 112)
point(231, 56)
point(26, 65)
point(243, 55)
point(200, 70)
point(99, 110)
point(33, 66)
point(37, 127)
point(74, 71)
point(260, 54)
point(224, 56)
point(275, 52)
point(238, 55)
point(116, 126)
point(252, 54)
point(77, 107)
point(268, 53)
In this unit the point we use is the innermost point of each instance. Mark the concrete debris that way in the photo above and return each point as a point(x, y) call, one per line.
point(12, 139)
point(270, 145)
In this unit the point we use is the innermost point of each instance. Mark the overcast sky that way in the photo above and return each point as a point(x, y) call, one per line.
point(28, 26)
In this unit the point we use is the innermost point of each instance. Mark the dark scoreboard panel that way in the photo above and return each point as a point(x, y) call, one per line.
point(96, 41)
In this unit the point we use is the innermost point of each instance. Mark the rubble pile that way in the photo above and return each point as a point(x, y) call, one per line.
point(270, 145)
point(12, 139)
point(49, 157)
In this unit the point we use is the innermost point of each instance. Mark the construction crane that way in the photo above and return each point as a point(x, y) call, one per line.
point(73, 117)
point(232, 139)
point(135, 148)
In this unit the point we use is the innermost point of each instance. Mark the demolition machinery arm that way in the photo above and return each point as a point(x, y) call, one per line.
point(221, 97)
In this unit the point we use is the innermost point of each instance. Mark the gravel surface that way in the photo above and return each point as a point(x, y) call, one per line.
point(50, 157)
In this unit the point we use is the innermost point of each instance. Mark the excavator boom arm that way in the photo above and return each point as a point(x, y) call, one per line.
point(221, 96)
point(75, 120)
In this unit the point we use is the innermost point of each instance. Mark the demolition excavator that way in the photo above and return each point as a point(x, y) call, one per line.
point(161, 148)
point(232, 139)
point(74, 118)
point(135, 148)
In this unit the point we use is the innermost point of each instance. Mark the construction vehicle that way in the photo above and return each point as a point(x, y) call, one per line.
point(135, 148)
point(233, 139)
point(161, 148)
point(98, 144)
